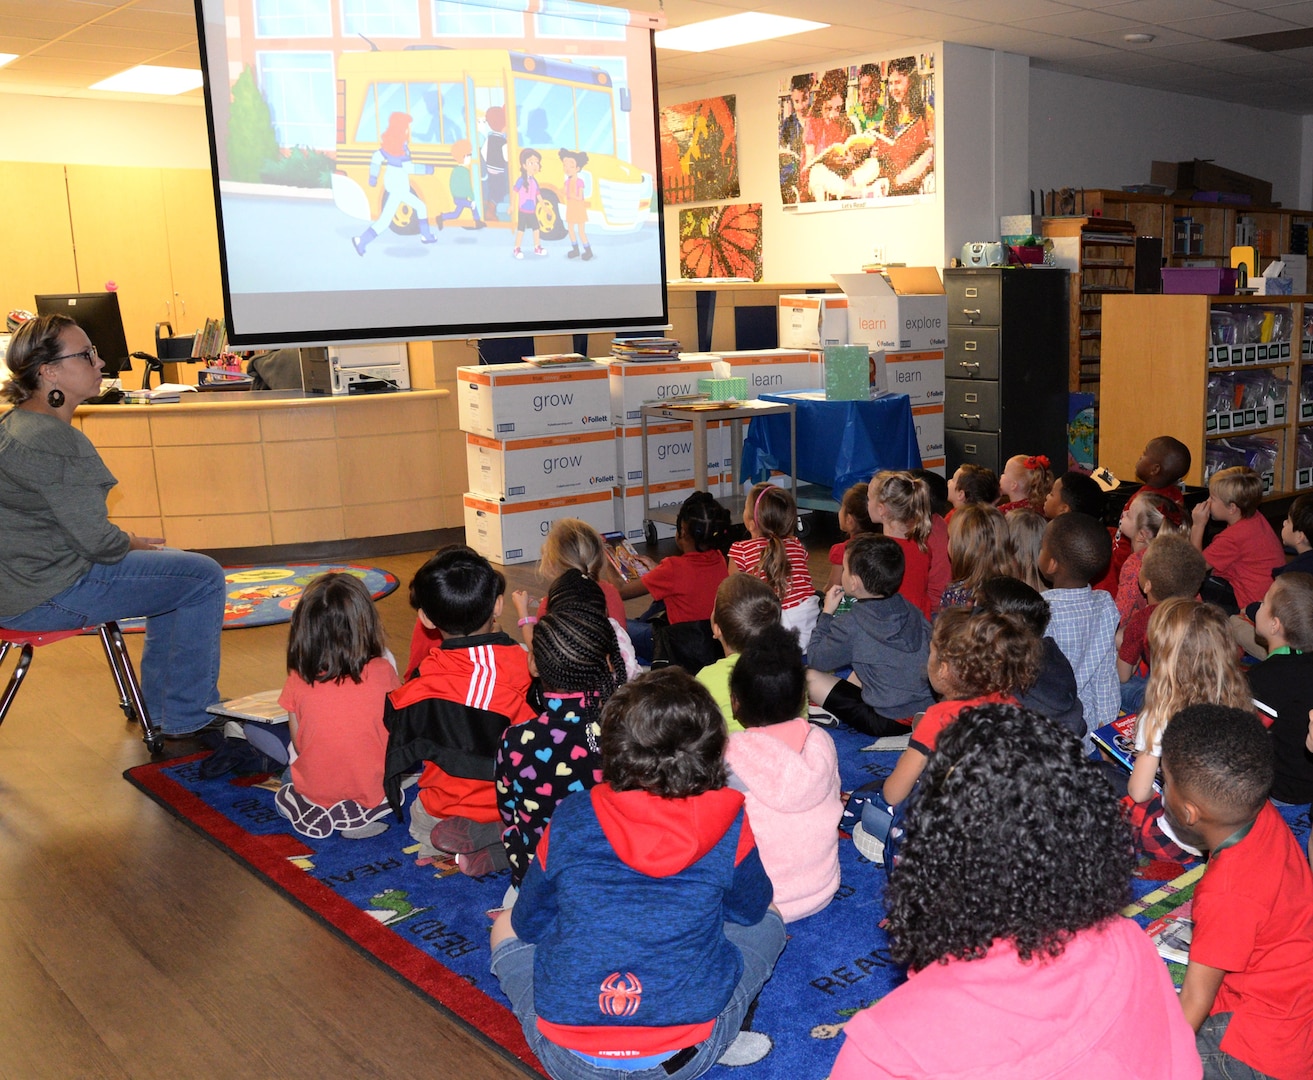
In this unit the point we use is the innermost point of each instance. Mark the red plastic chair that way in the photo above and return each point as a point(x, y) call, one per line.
point(120, 666)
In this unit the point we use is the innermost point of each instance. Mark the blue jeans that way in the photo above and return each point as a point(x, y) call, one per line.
point(1218, 1064)
point(181, 595)
point(760, 946)
point(1132, 691)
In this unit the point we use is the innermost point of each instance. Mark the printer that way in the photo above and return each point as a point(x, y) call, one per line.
point(346, 369)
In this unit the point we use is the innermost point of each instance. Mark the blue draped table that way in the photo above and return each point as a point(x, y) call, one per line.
point(840, 443)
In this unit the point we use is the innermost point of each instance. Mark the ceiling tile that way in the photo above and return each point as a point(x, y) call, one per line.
point(1015, 11)
point(1076, 23)
point(1198, 51)
point(1301, 13)
point(1162, 35)
point(1167, 11)
point(1237, 25)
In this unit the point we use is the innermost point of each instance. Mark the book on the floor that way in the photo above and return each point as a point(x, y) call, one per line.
point(622, 556)
point(1171, 934)
point(262, 707)
point(890, 742)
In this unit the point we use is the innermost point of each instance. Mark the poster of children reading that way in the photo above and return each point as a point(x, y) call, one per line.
point(864, 133)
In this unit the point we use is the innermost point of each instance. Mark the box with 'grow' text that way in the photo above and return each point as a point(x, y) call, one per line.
point(634, 383)
point(513, 532)
point(545, 467)
point(513, 401)
point(670, 451)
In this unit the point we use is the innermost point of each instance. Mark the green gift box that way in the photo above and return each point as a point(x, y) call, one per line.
point(733, 389)
point(847, 373)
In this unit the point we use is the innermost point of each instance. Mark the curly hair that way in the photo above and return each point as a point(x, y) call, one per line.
point(34, 344)
point(335, 631)
point(769, 683)
point(906, 501)
point(745, 605)
point(987, 651)
point(976, 484)
point(855, 503)
point(704, 521)
point(775, 515)
point(978, 546)
point(1013, 835)
point(1192, 661)
point(663, 733)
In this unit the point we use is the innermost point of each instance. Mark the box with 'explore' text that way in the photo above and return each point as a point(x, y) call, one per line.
point(904, 308)
point(513, 401)
point(545, 467)
point(513, 532)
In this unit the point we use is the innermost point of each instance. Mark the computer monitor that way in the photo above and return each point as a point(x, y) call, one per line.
point(98, 315)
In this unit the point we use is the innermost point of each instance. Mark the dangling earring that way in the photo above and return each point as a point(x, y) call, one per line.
point(55, 398)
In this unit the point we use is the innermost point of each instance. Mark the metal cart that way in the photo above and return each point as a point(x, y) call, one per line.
point(700, 414)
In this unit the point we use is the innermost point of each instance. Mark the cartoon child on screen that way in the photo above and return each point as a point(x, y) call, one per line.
point(526, 201)
point(576, 201)
point(462, 186)
point(394, 152)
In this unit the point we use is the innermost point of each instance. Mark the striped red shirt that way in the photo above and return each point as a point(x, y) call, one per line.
point(746, 557)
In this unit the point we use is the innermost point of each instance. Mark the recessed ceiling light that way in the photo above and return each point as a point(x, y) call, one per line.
point(724, 33)
point(146, 79)
point(6, 57)
point(1137, 39)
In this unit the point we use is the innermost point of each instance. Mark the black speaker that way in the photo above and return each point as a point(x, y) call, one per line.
point(1148, 264)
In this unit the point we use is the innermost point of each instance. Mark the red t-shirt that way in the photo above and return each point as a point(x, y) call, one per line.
point(1121, 550)
point(340, 738)
point(836, 552)
point(615, 605)
point(926, 734)
point(1129, 598)
point(1253, 919)
point(1244, 555)
point(1134, 647)
point(915, 588)
point(941, 573)
point(688, 584)
point(746, 556)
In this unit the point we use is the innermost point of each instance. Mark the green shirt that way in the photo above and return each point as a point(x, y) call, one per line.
point(53, 522)
point(715, 677)
point(461, 188)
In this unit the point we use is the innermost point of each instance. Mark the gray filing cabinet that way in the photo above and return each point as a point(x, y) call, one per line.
point(1005, 368)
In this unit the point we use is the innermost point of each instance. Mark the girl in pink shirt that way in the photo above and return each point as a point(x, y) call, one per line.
point(338, 674)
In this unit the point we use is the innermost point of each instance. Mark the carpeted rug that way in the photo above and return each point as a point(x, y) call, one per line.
point(266, 595)
point(428, 924)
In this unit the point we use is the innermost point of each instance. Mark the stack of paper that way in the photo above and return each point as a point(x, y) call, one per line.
point(645, 348)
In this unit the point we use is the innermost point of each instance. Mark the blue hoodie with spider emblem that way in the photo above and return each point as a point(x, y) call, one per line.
point(626, 901)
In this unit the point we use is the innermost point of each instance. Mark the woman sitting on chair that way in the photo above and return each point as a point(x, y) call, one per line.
point(65, 565)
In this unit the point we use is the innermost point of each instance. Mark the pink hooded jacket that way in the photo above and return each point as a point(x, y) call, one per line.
point(792, 800)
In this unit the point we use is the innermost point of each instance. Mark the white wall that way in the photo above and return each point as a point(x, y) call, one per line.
point(82, 131)
point(1090, 133)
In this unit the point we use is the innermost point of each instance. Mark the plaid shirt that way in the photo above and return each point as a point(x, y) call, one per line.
point(1084, 623)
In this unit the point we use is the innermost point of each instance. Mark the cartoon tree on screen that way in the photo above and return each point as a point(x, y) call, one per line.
point(251, 141)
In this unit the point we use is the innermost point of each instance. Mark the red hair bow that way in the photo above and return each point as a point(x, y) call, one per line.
point(1038, 461)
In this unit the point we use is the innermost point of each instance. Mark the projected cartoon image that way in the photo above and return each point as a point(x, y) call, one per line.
point(435, 159)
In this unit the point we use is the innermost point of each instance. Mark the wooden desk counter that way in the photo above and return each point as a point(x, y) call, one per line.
point(276, 469)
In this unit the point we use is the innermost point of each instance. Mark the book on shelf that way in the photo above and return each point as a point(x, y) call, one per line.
point(623, 557)
point(261, 707)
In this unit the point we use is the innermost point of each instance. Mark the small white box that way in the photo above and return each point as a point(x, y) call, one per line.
point(928, 420)
point(635, 384)
point(543, 467)
point(902, 309)
point(919, 375)
point(505, 401)
point(513, 532)
point(670, 452)
point(813, 320)
point(772, 371)
point(629, 504)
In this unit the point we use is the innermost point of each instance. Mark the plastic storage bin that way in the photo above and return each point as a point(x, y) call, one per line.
point(1202, 280)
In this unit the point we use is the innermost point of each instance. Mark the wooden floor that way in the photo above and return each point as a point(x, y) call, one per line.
point(132, 947)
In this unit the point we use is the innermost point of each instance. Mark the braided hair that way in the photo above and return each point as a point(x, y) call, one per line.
point(574, 645)
point(705, 522)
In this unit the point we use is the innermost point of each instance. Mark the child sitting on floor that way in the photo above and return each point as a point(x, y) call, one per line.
point(1076, 491)
point(1192, 661)
point(900, 504)
point(789, 773)
point(1248, 989)
point(577, 660)
point(884, 639)
point(774, 553)
point(452, 714)
point(745, 606)
point(1146, 516)
point(941, 573)
point(1025, 538)
point(1170, 567)
point(1083, 621)
point(1284, 681)
point(338, 678)
point(1161, 467)
point(978, 548)
point(1025, 482)
point(1297, 535)
point(854, 519)
point(1245, 553)
point(650, 888)
point(971, 484)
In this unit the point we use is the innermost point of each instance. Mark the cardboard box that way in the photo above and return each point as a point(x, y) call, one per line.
point(901, 309)
point(1014, 228)
point(919, 375)
point(513, 532)
point(546, 467)
point(929, 423)
point(813, 320)
point(670, 452)
point(1200, 175)
point(634, 384)
point(772, 371)
point(505, 401)
point(629, 505)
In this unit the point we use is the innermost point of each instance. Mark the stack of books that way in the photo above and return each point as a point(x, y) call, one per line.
point(645, 348)
point(552, 360)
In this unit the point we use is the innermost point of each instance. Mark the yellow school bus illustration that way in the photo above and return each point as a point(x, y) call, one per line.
point(499, 102)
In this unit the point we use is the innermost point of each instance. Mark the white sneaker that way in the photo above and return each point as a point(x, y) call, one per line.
point(821, 718)
point(870, 846)
point(748, 1048)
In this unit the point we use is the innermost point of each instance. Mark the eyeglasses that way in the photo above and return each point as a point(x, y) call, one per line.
point(90, 355)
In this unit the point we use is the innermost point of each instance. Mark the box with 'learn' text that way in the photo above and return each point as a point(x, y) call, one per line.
point(772, 371)
point(513, 401)
point(928, 420)
point(919, 375)
point(546, 467)
point(904, 308)
point(513, 532)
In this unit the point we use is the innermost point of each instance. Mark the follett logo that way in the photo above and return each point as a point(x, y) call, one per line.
point(620, 994)
point(596, 419)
